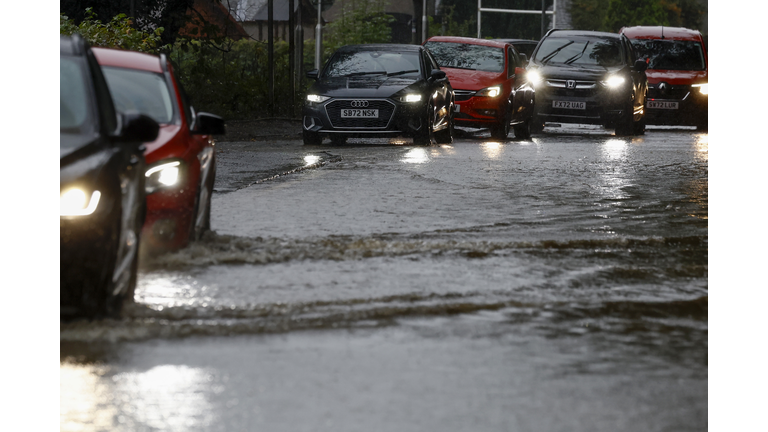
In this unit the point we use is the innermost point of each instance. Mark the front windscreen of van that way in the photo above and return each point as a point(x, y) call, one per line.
point(671, 54)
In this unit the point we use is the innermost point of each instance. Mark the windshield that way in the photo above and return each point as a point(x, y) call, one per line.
point(603, 52)
point(344, 64)
point(671, 54)
point(145, 92)
point(74, 108)
point(467, 56)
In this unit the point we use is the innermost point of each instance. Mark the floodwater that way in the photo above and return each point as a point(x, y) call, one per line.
point(558, 284)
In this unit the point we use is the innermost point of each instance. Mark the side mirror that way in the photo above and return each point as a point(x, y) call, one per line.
point(641, 65)
point(312, 74)
point(523, 59)
point(209, 124)
point(437, 74)
point(138, 127)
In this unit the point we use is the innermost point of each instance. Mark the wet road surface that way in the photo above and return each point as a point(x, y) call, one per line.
point(545, 285)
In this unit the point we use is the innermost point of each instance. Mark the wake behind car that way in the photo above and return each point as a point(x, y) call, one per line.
point(487, 78)
point(677, 74)
point(379, 90)
point(589, 77)
point(181, 162)
point(102, 201)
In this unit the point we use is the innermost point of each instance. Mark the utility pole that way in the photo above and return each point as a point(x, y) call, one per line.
point(271, 50)
point(543, 18)
point(424, 21)
point(291, 57)
point(319, 34)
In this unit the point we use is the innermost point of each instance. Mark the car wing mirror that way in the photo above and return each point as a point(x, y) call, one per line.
point(437, 75)
point(138, 127)
point(209, 124)
point(641, 65)
point(313, 74)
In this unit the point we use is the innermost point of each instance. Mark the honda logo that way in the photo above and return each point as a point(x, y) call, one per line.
point(359, 103)
point(570, 84)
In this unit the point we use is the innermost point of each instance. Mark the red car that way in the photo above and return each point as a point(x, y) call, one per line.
point(181, 162)
point(677, 74)
point(487, 78)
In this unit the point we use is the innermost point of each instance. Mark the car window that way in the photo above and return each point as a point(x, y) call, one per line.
point(373, 62)
point(74, 109)
point(671, 54)
point(580, 51)
point(142, 91)
point(467, 56)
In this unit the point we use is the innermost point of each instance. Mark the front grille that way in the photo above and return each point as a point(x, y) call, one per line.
point(580, 85)
point(385, 107)
point(462, 95)
point(678, 92)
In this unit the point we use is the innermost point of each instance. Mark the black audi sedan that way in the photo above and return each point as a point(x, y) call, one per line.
point(102, 201)
point(589, 77)
point(379, 90)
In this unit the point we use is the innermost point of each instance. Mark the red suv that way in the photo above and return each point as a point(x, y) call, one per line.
point(181, 162)
point(677, 74)
point(486, 76)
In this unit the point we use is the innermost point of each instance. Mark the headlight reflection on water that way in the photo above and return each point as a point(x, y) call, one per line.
point(311, 159)
point(416, 156)
point(492, 149)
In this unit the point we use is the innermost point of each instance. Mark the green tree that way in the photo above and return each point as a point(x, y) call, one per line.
point(628, 13)
point(117, 33)
point(589, 14)
point(360, 22)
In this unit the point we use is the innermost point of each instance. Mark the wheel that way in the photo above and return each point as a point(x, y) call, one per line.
point(445, 136)
point(625, 125)
point(523, 130)
point(537, 125)
point(638, 128)
point(500, 131)
point(427, 137)
point(338, 139)
point(201, 217)
point(311, 138)
point(702, 126)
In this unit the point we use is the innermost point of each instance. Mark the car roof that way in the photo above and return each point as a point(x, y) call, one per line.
point(468, 40)
point(127, 59)
point(518, 41)
point(587, 33)
point(380, 47)
point(656, 32)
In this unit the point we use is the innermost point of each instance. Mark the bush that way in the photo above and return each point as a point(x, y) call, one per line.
point(118, 33)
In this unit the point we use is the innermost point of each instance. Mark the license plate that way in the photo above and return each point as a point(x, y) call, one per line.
point(359, 113)
point(569, 105)
point(662, 105)
point(457, 108)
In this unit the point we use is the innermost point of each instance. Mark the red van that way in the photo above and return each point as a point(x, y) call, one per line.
point(487, 79)
point(677, 74)
point(181, 162)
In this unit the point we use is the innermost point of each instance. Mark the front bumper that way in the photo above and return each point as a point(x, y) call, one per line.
point(601, 105)
point(393, 118)
point(477, 111)
point(678, 105)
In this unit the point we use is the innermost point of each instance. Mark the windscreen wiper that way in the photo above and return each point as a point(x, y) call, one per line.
point(402, 72)
point(549, 56)
point(577, 56)
point(365, 73)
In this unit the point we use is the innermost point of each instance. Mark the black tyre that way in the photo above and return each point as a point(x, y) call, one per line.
point(311, 138)
point(201, 222)
point(338, 139)
point(523, 130)
point(537, 125)
point(427, 136)
point(445, 136)
point(500, 131)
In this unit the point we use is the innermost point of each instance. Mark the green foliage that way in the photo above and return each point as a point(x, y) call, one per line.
point(612, 15)
point(117, 33)
point(450, 25)
point(232, 79)
point(360, 22)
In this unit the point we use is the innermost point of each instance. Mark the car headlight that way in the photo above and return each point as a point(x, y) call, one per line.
point(703, 88)
point(534, 77)
point(613, 81)
point(77, 202)
point(489, 92)
point(162, 176)
point(411, 98)
point(317, 98)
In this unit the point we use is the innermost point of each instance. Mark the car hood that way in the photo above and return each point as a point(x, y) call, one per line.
point(676, 77)
point(375, 87)
point(576, 72)
point(465, 79)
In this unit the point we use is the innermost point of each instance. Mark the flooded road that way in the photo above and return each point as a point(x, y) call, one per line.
point(558, 284)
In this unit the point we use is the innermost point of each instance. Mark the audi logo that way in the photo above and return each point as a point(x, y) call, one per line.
point(359, 103)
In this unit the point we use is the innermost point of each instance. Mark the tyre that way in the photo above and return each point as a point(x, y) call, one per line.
point(625, 125)
point(537, 125)
point(427, 136)
point(445, 136)
point(638, 128)
point(311, 138)
point(201, 217)
point(500, 131)
point(523, 130)
point(338, 139)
